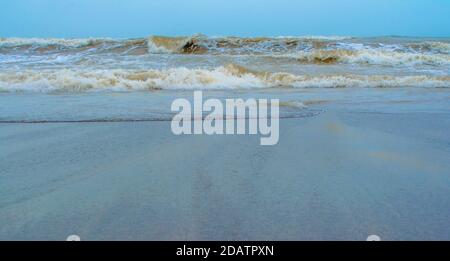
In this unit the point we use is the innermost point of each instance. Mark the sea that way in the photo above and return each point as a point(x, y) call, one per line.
point(106, 79)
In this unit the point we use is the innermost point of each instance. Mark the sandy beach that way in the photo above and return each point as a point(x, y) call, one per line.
point(87, 148)
point(340, 175)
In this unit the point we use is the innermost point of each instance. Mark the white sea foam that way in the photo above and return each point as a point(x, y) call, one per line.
point(371, 56)
point(16, 42)
point(224, 77)
point(197, 62)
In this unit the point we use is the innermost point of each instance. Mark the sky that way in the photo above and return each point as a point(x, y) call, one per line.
point(138, 18)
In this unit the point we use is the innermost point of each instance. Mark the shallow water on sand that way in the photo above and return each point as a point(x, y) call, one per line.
point(86, 146)
point(156, 106)
point(336, 176)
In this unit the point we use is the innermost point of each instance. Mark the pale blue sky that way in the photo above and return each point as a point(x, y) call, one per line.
point(135, 18)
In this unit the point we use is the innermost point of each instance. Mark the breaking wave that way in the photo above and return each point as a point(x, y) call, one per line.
point(224, 77)
point(371, 56)
point(18, 42)
point(308, 49)
point(62, 46)
point(435, 47)
point(163, 44)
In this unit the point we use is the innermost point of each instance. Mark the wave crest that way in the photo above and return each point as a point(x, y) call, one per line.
point(164, 44)
point(224, 77)
point(367, 56)
point(325, 50)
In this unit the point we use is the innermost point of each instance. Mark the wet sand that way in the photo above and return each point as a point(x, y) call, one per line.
point(339, 175)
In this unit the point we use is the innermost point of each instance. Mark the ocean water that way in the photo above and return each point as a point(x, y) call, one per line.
point(368, 156)
point(134, 78)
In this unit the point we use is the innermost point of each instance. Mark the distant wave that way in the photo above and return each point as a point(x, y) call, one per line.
point(63, 46)
point(163, 44)
point(371, 56)
point(19, 42)
point(196, 44)
point(307, 49)
point(224, 77)
point(427, 46)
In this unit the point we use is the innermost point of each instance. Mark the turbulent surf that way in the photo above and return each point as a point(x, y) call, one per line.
point(202, 62)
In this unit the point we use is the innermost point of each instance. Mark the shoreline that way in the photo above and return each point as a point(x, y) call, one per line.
point(336, 176)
